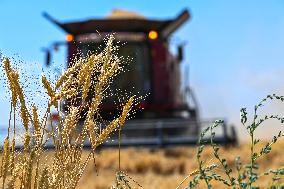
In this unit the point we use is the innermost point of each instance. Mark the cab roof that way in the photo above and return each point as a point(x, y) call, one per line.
point(121, 24)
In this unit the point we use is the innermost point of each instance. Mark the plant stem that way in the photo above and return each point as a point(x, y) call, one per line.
point(251, 159)
point(119, 140)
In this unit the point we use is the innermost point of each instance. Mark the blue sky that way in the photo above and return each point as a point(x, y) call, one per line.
point(235, 49)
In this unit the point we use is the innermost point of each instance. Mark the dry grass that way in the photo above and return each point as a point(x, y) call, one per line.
point(162, 168)
point(166, 168)
point(32, 167)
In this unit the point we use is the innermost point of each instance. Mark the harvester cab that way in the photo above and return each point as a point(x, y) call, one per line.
point(170, 112)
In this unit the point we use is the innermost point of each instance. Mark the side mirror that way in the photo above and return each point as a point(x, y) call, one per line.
point(47, 57)
point(180, 53)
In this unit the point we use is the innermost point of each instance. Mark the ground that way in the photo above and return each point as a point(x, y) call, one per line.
point(166, 168)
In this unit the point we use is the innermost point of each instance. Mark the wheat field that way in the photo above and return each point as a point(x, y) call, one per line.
point(163, 168)
point(166, 168)
point(70, 165)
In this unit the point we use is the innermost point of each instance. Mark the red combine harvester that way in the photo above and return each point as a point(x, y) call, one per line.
point(170, 115)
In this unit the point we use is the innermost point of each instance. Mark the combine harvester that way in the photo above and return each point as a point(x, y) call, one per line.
point(170, 115)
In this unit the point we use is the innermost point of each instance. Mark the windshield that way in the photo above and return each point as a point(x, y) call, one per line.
point(136, 77)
